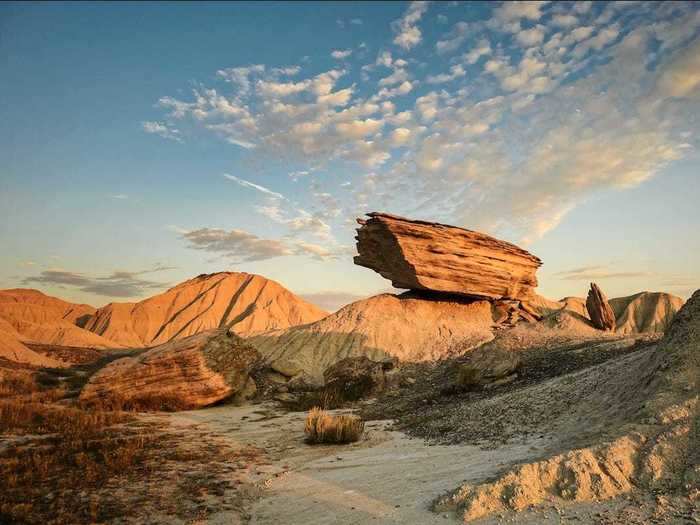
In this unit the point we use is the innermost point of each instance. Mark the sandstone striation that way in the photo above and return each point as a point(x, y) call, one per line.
point(433, 257)
point(645, 312)
point(246, 303)
point(600, 311)
point(188, 373)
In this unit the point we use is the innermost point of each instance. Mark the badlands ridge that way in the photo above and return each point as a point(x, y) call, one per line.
point(470, 355)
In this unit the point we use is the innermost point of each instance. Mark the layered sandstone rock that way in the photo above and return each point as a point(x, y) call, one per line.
point(434, 257)
point(188, 373)
point(600, 311)
point(246, 303)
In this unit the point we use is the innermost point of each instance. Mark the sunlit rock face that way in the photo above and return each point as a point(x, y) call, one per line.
point(433, 257)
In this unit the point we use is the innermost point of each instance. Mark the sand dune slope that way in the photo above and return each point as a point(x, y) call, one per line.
point(246, 303)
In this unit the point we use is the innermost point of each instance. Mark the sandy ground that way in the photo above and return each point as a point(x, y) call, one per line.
point(386, 478)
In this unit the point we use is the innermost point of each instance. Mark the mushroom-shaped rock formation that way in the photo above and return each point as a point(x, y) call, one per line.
point(433, 257)
point(600, 311)
point(187, 373)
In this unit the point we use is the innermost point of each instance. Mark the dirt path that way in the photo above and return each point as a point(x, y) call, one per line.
point(387, 478)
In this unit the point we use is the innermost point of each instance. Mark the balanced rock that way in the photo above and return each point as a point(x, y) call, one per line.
point(487, 364)
point(600, 311)
point(187, 373)
point(355, 377)
point(433, 257)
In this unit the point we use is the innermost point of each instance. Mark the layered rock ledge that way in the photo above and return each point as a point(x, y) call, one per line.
point(434, 257)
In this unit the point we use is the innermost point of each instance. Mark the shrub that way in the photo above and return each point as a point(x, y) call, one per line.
point(322, 427)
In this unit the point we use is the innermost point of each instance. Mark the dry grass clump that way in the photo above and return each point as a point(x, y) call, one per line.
point(322, 427)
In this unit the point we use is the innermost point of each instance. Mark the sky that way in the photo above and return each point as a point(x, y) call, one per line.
point(143, 144)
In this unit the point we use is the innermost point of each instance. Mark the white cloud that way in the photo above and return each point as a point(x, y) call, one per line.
point(454, 38)
point(161, 129)
point(397, 77)
point(251, 185)
point(408, 35)
point(513, 11)
point(483, 48)
point(531, 37)
point(357, 129)
point(564, 20)
point(341, 54)
point(402, 89)
point(456, 71)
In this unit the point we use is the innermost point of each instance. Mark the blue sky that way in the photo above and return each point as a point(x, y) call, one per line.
point(143, 144)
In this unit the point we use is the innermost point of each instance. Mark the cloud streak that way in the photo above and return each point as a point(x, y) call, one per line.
point(119, 284)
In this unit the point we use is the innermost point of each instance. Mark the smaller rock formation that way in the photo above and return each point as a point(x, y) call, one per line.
point(487, 365)
point(184, 374)
point(432, 257)
point(600, 311)
point(353, 378)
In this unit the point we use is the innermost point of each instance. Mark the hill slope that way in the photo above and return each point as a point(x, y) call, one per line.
point(12, 349)
point(39, 318)
point(645, 312)
point(638, 313)
point(246, 303)
point(384, 325)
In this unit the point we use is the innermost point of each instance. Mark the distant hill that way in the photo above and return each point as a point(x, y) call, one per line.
point(642, 312)
point(246, 303)
point(40, 318)
point(12, 349)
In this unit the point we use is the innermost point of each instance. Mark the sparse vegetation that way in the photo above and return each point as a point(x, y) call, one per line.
point(322, 427)
point(60, 463)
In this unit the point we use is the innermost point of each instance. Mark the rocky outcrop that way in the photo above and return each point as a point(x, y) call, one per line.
point(642, 414)
point(188, 373)
point(600, 311)
point(487, 365)
point(406, 327)
point(355, 377)
point(433, 257)
point(245, 303)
